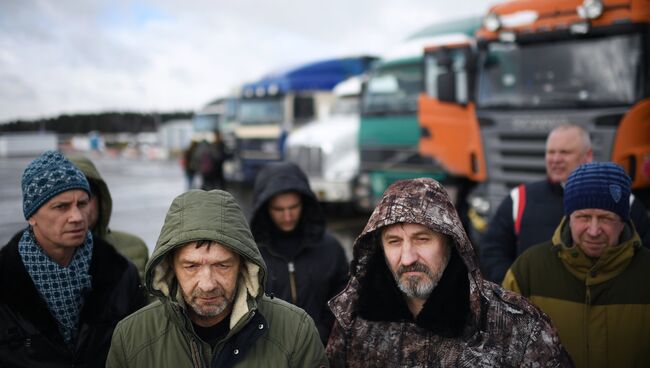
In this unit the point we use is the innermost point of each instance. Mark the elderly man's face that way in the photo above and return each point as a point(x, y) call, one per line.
point(593, 230)
point(416, 256)
point(61, 222)
point(208, 279)
point(565, 151)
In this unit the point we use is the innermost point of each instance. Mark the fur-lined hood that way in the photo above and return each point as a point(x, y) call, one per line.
point(372, 292)
point(202, 215)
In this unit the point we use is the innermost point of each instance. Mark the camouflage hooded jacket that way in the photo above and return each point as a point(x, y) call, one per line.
point(466, 322)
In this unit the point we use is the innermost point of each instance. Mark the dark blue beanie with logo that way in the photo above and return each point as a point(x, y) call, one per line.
point(601, 185)
point(45, 177)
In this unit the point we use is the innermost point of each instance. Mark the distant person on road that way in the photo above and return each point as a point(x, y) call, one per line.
point(99, 211)
point(416, 297)
point(531, 213)
point(208, 276)
point(190, 164)
point(210, 157)
point(307, 265)
point(62, 290)
point(591, 276)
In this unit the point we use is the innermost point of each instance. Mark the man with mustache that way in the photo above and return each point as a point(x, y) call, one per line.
point(208, 277)
point(416, 297)
point(62, 290)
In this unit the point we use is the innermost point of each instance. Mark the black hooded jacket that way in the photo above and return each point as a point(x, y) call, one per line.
point(319, 262)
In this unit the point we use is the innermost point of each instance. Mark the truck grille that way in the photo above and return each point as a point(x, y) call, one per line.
point(309, 159)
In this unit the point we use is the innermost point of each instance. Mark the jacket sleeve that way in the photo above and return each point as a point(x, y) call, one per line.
point(498, 247)
point(639, 216)
point(116, 357)
point(544, 348)
point(336, 347)
point(309, 351)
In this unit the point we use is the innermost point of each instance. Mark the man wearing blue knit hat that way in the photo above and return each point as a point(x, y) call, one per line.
point(591, 278)
point(61, 291)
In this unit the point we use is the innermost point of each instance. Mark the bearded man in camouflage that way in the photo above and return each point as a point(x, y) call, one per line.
point(416, 297)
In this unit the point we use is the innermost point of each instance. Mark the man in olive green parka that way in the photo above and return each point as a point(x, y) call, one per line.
point(128, 245)
point(209, 277)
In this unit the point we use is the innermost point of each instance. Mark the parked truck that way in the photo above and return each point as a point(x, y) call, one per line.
point(327, 149)
point(545, 63)
point(275, 105)
point(389, 132)
point(218, 116)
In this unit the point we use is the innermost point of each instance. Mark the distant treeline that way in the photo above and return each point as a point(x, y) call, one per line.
point(110, 122)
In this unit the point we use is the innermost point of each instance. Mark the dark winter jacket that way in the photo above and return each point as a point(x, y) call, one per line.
point(509, 233)
point(466, 321)
point(29, 336)
point(129, 245)
point(264, 331)
point(320, 266)
point(601, 309)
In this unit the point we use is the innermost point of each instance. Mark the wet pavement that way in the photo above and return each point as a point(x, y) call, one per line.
point(142, 191)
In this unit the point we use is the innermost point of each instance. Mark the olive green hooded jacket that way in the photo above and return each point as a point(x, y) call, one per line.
point(264, 332)
point(128, 245)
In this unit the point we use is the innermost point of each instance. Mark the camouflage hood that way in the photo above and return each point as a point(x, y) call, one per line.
point(424, 202)
point(466, 321)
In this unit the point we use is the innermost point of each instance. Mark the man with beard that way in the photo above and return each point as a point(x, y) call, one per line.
point(416, 297)
point(209, 277)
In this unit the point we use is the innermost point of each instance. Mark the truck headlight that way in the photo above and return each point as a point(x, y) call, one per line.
point(590, 9)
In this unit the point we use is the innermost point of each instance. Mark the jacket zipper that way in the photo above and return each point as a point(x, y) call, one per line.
point(292, 282)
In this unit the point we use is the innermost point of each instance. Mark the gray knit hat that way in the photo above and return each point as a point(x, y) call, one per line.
point(45, 177)
point(602, 185)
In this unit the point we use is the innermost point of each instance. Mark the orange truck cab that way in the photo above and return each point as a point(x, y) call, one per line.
point(540, 64)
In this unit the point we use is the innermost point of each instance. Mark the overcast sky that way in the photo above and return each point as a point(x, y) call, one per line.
point(81, 56)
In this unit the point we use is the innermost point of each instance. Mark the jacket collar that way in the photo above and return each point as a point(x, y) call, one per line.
point(20, 292)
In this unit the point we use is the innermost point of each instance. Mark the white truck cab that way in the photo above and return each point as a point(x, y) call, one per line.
point(327, 149)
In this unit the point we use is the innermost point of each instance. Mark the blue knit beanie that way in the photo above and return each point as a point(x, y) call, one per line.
point(602, 185)
point(45, 177)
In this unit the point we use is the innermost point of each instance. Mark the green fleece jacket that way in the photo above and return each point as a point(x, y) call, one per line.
point(264, 332)
point(128, 245)
point(601, 308)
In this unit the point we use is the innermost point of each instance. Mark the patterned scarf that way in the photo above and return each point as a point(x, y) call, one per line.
point(62, 288)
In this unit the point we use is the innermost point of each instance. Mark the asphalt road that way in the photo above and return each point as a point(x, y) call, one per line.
point(142, 191)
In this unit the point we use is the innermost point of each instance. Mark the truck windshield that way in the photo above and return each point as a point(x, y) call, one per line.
point(205, 122)
point(393, 90)
point(584, 72)
point(257, 112)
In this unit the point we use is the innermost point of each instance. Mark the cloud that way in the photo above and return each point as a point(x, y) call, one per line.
point(73, 56)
